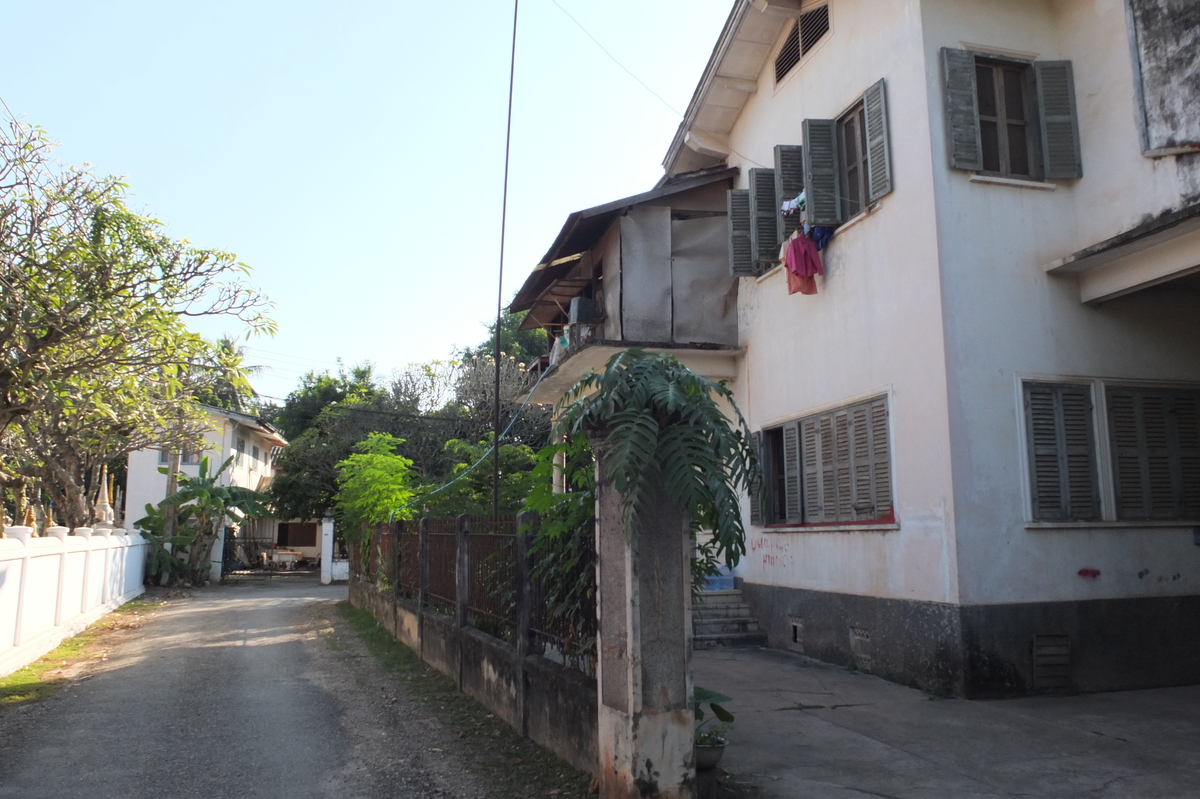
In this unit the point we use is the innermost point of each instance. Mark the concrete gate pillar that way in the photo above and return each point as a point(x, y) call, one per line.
point(327, 549)
point(645, 643)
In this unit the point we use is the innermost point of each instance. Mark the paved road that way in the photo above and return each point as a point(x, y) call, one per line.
point(808, 729)
point(228, 693)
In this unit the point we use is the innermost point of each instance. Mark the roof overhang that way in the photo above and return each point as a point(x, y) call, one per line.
point(729, 80)
point(584, 228)
point(714, 361)
point(1159, 250)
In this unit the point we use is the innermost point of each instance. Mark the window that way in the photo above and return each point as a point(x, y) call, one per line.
point(1153, 449)
point(254, 454)
point(1010, 118)
point(801, 39)
point(830, 468)
point(190, 457)
point(843, 166)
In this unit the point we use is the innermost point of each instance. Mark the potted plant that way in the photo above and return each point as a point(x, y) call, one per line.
point(710, 743)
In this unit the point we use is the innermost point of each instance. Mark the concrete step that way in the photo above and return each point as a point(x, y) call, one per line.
point(725, 626)
point(718, 597)
point(730, 611)
point(729, 640)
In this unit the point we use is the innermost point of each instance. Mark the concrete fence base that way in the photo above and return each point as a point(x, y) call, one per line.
point(552, 705)
point(53, 587)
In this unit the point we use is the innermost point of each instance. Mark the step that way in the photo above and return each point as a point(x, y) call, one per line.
point(724, 626)
point(729, 640)
point(718, 597)
point(731, 611)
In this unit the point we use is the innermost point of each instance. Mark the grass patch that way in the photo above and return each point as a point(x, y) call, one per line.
point(514, 766)
point(43, 678)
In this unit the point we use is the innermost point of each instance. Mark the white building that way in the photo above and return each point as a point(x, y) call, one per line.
point(250, 442)
point(981, 436)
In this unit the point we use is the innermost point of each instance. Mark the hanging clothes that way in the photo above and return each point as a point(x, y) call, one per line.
point(803, 265)
point(821, 236)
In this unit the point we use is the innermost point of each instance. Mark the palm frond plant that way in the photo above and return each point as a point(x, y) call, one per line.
point(659, 423)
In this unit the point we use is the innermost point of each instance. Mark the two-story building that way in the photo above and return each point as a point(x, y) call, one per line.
point(981, 434)
point(250, 442)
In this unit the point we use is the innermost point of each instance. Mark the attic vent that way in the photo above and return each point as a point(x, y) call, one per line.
point(813, 25)
point(802, 38)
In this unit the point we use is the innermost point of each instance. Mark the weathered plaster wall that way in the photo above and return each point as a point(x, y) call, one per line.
point(873, 328)
point(1005, 318)
point(1167, 47)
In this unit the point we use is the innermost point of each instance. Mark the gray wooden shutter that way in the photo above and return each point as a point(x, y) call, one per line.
point(1062, 452)
point(793, 507)
point(741, 255)
point(821, 171)
point(871, 491)
point(810, 444)
point(962, 109)
point(764, 234)
point(879, 157)
point(881, 457)
point(789, 182)
point(757, 497)
point(1187, 422)
point(1058, 119)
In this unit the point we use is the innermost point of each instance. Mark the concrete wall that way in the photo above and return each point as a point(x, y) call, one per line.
point(874, 327)
point(552, 705)
point(52, 588)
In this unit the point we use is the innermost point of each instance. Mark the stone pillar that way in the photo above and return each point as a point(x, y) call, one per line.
point(327, 550)
point(644, 672)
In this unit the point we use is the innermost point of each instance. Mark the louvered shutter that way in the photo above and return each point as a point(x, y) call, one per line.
point(1187, 422)
point(881, 457)
point(961, 100)
point(879, 157)
point(1058, 119)
point(1127, 455)
point(871, 487)
point(741, 255)
point(792, 505)
point(810, 445)
point(1061, 452)
point(821, 171)
point(764, 234)
point(789, 182)
point(757, 498)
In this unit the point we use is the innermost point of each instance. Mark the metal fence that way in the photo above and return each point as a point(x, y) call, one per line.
point(476, 569)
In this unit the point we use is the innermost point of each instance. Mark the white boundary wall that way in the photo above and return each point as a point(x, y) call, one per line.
point(52, 588)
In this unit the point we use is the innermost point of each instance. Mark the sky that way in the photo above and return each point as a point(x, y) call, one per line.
point(352, 153)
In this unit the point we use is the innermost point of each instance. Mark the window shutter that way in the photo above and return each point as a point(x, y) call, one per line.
point(1127, 454)
point(1058, 120)
point(881, 457)
point(821, 171)
point(789, 182)
point(810, 443)
point(741, 257)
point(764, 235)
point(757, 498)
point(1187, 422)
point(962, 109)
point(792, 473)
point(828, 467)
point(1062, 452)
point(879, 157)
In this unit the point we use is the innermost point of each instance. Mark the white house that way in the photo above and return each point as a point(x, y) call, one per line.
point(981, 436)
point(251, 443)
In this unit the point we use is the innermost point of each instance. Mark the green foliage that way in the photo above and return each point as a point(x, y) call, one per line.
point(472, 493)
point(661, 423)
point(372, 483)
point(715, 735)
point(204, 506)
point(319, 390)
point(222, 378)
point(165, 554)
point(563, 551)
point(521, 345)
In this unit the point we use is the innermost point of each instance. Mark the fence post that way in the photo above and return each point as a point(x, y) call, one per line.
point(524, 598)
point(423, 554)
point(462, 569)
point(397, 532)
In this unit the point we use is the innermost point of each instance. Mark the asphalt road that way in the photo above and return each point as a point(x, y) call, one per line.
point(229, 692)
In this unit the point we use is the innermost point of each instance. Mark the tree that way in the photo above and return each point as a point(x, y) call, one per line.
point(222, 378)
point(319, 390)
point(208, 507)
point(521, 345)
point(374, 485)
point(90, 288)
point(471, 491)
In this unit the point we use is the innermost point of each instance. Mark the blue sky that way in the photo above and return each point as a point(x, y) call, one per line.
point(352, 153)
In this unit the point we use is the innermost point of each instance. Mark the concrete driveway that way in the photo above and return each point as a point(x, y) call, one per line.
point(808, 729)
